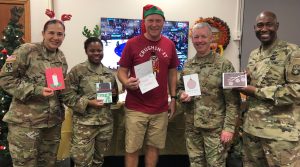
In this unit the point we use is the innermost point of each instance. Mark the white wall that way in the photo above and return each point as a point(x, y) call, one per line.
point(37, 18)
point(88, 13)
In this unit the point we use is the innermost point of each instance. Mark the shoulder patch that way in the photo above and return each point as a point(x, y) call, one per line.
point(293, 70)
point(8, 67)
point(9, 63)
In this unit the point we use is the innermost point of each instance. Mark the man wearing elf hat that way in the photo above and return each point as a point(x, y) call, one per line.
point(146, 116)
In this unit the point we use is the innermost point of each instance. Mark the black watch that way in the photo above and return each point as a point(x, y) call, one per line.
point(174, 97)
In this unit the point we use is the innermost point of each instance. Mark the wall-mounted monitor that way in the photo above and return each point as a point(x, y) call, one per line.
point(115, 32)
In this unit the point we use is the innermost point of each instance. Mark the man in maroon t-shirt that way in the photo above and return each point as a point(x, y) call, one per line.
point(146, 114)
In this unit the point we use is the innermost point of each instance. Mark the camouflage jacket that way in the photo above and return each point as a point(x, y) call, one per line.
point(215, 107)
point(23, 77)
point(81, 87)
point(274, 111)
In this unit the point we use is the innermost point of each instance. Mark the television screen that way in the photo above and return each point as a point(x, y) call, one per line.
point(115, 32)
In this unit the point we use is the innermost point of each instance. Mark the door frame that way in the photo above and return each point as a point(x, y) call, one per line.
point(26, 21)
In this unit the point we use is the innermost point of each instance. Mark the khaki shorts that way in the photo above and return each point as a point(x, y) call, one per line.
point(152, 127)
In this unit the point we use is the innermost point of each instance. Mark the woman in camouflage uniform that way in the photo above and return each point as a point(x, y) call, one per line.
point(36, 112)
point(92, 118)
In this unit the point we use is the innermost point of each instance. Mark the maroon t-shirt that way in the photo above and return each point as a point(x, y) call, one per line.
point(163, 55)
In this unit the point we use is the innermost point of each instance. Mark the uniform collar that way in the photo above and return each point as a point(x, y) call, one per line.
point(46, 53)
point(270, 49)
point(99, 69)
point(210, 57)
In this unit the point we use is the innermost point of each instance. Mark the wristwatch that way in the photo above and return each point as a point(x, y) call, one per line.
point(174, 97)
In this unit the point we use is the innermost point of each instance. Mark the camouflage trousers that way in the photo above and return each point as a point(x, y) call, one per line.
point(204, 147)
point(261, 152)
point(90, 143)
point(33, 147)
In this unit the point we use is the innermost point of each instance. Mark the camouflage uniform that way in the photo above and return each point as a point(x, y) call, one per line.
point(92, 127)
point(34, 121)
point(272, 121)
point(207, 115)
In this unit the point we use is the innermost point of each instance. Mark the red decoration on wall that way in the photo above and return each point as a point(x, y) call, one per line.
point(221, 31)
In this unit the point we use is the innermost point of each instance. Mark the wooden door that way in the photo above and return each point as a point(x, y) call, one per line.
point(5, 15)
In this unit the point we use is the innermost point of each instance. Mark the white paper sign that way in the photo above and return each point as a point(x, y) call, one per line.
point(144, 73)
point(191, 85)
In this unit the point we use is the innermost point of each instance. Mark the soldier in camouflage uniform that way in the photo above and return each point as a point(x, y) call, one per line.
point(36, 112)
point(210, 117)
point(92, 119)
point(271, 124)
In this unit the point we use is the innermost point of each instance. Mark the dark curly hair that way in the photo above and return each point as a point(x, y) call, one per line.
point(90, 40)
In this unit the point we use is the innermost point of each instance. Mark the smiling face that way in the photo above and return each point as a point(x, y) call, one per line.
point(53, 36)
point(266, 28)
point(201, 39)
point(154, 24)
point(94, 52)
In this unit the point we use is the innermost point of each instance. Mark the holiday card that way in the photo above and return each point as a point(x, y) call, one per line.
point(234, 80)
point(55, 78)
point(104, 92)
point(191, 85)
point(144, 72)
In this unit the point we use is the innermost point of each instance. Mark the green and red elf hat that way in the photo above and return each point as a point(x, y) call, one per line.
point(149, 10)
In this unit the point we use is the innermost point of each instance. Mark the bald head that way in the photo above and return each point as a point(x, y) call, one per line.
point(267, 14)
